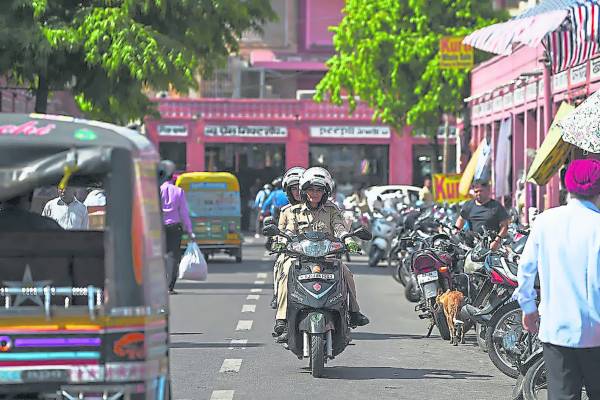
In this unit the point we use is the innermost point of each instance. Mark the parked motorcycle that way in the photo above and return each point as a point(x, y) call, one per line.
point(318, 317)
point(433, 268)
point(383, 227)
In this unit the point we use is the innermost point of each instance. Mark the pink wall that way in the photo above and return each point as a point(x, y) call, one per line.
point(319, 16)
point(488, 75)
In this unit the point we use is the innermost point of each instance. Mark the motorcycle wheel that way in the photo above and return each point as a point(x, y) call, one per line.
point(412, 292)
point(404, 273)
point(439, 317)
point(480, 331)
point(376, 256)
point(317, 355)
point(517, 393)
point(508, 314)
point(534, 383)
point(394, 264)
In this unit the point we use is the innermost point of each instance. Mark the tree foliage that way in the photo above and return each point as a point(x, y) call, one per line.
point(387, 55)
point(114, 49)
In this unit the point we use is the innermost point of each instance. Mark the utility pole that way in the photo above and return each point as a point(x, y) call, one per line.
point(445, 151)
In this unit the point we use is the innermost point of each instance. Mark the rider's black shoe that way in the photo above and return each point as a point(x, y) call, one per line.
point(280, 327)
point(274, 302)
point(283, 338)
point(358, 319)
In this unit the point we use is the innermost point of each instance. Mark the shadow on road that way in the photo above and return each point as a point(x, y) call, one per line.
point(383, 336)
point(218, 345)
point(368, 373)
point(222, 285)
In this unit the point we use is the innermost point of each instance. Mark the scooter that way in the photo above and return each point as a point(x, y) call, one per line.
point(384, 230)
point(317, 313)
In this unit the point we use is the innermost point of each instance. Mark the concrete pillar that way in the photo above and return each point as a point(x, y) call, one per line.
point(296, 147)
point(518, 147)
point(530, 130)
point(401, 158)
point(195, 147)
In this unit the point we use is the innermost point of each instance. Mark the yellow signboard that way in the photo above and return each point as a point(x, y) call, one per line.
point(446, 188)
point(454, 54)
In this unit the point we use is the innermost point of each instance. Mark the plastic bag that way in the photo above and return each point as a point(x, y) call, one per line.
point(193, 265)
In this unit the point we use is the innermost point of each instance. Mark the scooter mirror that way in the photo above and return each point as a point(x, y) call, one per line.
point(362, 233)
point(271, 230)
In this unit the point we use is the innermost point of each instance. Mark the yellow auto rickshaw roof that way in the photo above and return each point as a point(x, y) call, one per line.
point(186, 178)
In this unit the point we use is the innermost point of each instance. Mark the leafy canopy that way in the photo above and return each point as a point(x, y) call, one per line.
point(387, 55)
point(117, 48)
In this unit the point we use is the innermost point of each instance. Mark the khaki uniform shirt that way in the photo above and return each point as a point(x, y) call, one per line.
point(327, 219)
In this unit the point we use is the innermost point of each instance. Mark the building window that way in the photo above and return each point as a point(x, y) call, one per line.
point(174, 151)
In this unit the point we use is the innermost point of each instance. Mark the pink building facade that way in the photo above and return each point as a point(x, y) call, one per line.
point(300, 130)
point(519, 87)
point(258, 118)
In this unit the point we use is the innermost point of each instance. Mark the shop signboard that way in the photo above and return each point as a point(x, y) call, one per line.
point(531, 91)
point(445, 188)
point(519, 96)
point(507, 100)
point(245, 131)
point(595, 69)
point(454, 54)
point(172, 130)
point(351, 132)
point(578, 74)
point(560, 82)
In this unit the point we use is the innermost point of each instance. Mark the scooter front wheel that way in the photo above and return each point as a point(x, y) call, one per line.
point(317, 354)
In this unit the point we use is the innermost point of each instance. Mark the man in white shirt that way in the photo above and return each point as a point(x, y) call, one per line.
point(69, 212)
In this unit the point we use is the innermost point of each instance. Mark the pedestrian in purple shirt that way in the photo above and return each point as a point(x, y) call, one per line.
point(176, 217)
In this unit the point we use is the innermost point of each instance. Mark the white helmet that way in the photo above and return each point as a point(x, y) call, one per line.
point(316, 176)
point(292, 177)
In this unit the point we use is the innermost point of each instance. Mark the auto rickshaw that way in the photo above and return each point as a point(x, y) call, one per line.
point(84, 313)
point(214, 202)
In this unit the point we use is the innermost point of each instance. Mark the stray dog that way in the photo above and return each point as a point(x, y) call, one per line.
point(452, 302)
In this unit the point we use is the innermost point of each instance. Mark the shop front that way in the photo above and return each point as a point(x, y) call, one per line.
point(258, 140)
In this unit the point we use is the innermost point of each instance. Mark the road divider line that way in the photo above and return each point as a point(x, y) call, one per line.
point(231, 365)
point(244, 325)
point(257, 290)
point(262, 275)
point(259, 282)
point(249, 308)
point(253, 297)
point(222, 395)
point(238, 344)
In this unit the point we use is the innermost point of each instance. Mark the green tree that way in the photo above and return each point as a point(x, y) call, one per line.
point(110, 51)
point(387, 55)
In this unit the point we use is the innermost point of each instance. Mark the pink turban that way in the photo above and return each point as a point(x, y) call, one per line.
point(583, 177)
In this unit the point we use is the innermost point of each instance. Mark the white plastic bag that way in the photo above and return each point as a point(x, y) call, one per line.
point(193, 266)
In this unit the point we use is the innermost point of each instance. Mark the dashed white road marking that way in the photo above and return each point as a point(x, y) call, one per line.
point(231, 365)
point(244, 325)
point(222, 395)
point(253, 297)
point(262, 275)
point(249, 308)
point(238, 344)
point(259, 282)
point(257, 290)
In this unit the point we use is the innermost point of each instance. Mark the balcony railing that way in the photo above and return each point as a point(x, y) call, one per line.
point(260, 109)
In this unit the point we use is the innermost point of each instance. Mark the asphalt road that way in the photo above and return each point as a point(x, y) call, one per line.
point(222, 349)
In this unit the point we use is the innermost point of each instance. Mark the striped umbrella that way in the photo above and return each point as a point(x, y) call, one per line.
point(568, 29)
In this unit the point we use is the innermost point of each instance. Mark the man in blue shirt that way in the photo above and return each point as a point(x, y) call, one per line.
point(276, 200)
point(564, 249)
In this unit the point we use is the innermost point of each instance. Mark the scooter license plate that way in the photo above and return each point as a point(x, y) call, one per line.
point(307, 277)
point(427, 277)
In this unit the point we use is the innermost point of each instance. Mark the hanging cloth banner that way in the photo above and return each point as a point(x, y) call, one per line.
point(469, 172)
point(502, 165)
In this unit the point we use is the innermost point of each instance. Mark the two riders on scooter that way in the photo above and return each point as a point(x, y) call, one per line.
point(315, 213)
